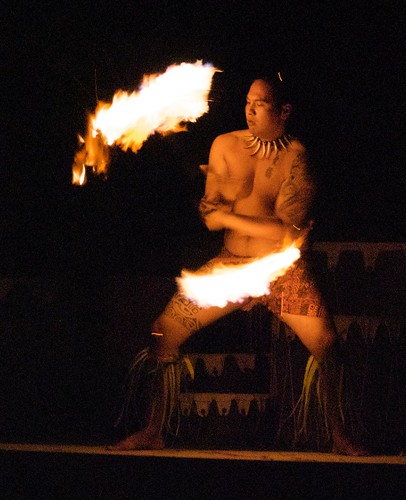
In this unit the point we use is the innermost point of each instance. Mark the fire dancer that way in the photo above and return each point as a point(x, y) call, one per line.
point(260, 191)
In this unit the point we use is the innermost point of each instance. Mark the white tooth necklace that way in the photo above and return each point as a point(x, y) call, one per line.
point(264, 149)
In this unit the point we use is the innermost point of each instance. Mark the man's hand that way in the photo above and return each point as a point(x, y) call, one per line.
point(211, 209)
point(210, 203)
point(214, 220)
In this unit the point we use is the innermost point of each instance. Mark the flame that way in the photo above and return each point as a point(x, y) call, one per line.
point(235, 283)
point(163, 104)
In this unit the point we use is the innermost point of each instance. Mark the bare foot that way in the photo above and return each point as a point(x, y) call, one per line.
point(139, 441)
point(343, 446)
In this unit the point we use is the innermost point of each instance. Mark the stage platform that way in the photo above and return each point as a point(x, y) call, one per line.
point(59, 471)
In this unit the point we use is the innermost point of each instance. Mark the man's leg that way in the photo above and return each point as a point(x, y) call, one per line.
point(180, 319)
point(319, 337)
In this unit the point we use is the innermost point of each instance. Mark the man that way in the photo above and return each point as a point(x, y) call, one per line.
point(259, 191)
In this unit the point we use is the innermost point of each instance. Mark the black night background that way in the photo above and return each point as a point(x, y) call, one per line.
point(344, 63)
point(85, 270)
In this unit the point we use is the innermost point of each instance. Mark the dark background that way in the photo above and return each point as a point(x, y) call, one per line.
point(85, 270)
point(344, 63)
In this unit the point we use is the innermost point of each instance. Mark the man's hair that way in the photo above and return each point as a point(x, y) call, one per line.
point(280, 88)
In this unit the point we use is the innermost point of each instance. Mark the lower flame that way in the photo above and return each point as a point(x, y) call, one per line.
point(235, 283)
point(163, 104)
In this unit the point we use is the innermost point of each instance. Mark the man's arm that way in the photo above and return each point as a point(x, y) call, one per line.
point(216, 196)
point(294, 202)
point(220, 194)
point(292, 208)
point(216, 169)
point(255, 227)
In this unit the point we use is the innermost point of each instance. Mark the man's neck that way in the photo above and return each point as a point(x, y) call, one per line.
point(273, 134)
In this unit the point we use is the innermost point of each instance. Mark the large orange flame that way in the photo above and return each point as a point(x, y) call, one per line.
point(235, 283)
point(163, 104)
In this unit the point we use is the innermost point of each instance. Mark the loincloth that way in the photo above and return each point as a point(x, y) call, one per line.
point(296, 292)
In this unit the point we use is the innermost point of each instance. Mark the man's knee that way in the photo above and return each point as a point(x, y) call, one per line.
point(167, 325)
point(168, 335)
point(157, 328)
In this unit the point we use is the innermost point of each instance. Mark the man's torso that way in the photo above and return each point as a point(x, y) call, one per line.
point(256, 184)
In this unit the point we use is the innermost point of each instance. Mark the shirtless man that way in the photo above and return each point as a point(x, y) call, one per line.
point(258, 190)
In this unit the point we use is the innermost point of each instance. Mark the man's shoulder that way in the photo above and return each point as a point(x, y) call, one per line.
point(230, 137)
point(296, 145)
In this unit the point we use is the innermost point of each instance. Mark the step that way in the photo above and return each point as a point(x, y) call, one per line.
point(89, 472)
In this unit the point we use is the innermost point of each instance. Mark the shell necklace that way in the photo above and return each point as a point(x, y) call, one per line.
point(263, 149)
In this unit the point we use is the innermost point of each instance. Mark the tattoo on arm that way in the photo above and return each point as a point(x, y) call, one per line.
point(297, 193)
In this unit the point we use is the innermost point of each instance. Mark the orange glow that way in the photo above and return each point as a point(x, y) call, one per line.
point(235, 283)
point(79, 175)
point(163, 104)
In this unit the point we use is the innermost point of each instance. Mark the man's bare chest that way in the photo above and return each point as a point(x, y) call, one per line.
point(261, 177)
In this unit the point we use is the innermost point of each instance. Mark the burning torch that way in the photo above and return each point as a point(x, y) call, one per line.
point(163, 104)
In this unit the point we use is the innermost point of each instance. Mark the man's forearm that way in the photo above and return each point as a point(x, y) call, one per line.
point(255, 227)
point(209, 204)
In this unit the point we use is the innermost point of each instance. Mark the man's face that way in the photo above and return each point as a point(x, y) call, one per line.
point(262, 115)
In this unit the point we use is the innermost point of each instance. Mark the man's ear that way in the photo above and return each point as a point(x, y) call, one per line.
point(286, 111)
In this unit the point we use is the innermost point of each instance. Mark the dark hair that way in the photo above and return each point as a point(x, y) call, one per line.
point(280, 88)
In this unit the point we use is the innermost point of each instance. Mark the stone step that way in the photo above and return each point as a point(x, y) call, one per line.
point(89, 472)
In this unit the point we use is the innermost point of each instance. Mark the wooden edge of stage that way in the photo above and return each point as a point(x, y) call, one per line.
point(247, 455)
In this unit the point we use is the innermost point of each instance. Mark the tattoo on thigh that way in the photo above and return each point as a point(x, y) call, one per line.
point(184, 311)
